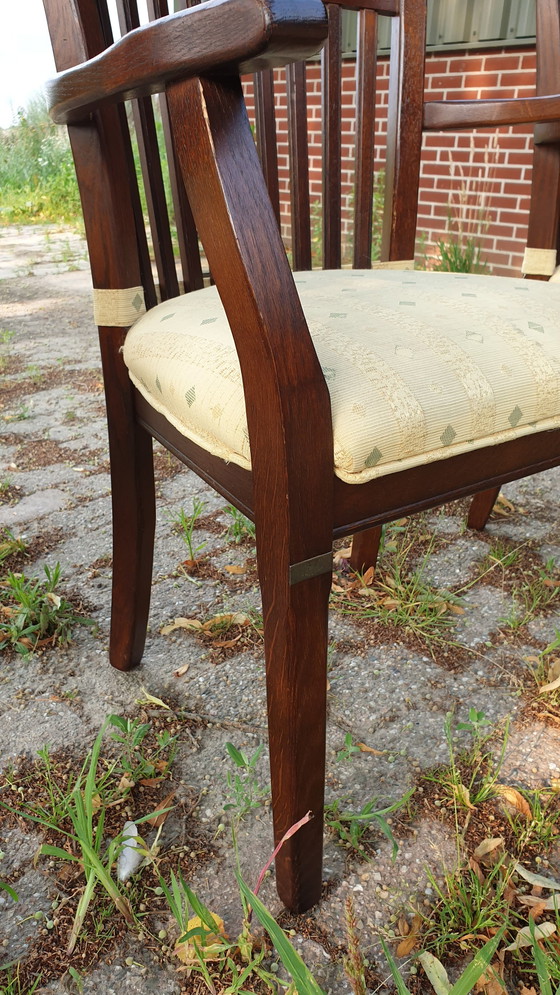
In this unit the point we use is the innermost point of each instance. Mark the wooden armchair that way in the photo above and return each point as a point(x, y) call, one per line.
point(412, 388)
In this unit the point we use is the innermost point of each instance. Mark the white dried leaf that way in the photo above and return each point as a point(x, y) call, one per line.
point(132, 853)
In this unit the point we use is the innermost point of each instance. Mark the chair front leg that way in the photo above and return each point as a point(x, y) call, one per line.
point(296, 635)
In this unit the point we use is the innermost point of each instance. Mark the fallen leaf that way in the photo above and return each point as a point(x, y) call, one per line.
point(409, 934)
point(512, 797)
point(182, 670)
point(527, 991)
point(524, 939)
point(369, 749)
point(476, 869)
point(180, 623)
point(342, 554)
point(490, 982)
point(367, 578)
point(150, 782)
point(456, 609)
point(534, 901)
point(502, 506)
point(160, 816)
point(407, 945)
point(436, 973)
point(403, 926)
point(537, 879)
point(202, 943)
point(487, 846)
point(463, 796)
point(125, 784)
point(550, 687)
point(234, 568)
point(226, 643)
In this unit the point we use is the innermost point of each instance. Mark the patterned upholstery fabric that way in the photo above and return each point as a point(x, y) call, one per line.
point(420, 366)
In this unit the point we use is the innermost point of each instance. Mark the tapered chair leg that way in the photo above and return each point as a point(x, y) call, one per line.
point(365, 548)
point(133, 501)
point(481, 508)
point(296, 624)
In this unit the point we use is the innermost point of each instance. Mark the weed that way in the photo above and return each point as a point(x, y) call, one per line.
point(244, 791)
point(354, 963)
point(536, 593)
point(22, 413)
point(466, 906)
point(348, 750)
point(6, 336)
point(352, 828)
point(467, 218)
point(240, 527)
point(13, 985)
point(9, 545)
point(402, 597)
point(438, 975)
point(34, 373)
point(33, 614)
point(471, 775)
point(185, 526)
point(136, 764)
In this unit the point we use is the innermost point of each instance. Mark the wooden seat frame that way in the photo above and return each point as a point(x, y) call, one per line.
point(291, 493)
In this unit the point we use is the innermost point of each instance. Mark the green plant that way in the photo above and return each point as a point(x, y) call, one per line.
point(13, 985)
point(185, 526)
point(348, 750)
point(352, 827)
point(244, 791)
point(37, 175)
point(438, 975)
point(9, 544)
point(33, 613)
point(133, 761)
point(240, 527)
point(354, 963)
point(471, 775)
point(401, 596)
point(537, 592)
point(6, 336)
point(467, 218)
point(465, 906)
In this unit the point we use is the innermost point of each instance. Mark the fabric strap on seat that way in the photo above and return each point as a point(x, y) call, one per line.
point(538, 262)
point(118, 308)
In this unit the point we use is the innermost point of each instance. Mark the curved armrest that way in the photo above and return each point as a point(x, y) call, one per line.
point(450, 114)
point(220, 35)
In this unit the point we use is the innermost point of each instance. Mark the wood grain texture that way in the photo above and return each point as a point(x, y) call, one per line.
point(221, 194)
point(441, 115)
point(243, 35)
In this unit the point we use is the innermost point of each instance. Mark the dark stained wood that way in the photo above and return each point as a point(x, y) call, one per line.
point(544, 217)
point(291, 445)
point(366, 69)
point(242, 35)
point(291, 493)
point(331, 202)
point(388, 7)
point(441, 115)
point(150, 162)
point(299, 166)
point(266, 135)
point(404, 130)
point(365, 547)
point(481, 508)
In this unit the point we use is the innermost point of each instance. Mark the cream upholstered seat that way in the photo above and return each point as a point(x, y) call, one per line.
point(420, 366)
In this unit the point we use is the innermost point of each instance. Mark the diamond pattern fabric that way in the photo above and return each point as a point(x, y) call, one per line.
point(420, 366)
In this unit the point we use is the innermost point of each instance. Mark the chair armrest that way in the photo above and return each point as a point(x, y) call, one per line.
point(451, 114)
point(219, 36)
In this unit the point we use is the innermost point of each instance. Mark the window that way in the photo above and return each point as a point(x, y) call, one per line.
point(461, 24)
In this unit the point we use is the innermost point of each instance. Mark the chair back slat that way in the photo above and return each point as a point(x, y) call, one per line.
point(299, 165)
point(366, 75)
point(332, 142)
point(187, 238)
point(151, 167)
point(544, 217)
point(267, 139)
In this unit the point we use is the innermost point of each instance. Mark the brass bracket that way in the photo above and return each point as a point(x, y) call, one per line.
point(313, 567)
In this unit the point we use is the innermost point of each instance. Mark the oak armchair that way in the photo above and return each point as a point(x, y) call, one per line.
point(256, 382)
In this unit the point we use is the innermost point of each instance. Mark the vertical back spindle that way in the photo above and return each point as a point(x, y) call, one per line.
point(366, 70)
point(332, 144)
point(296, 78)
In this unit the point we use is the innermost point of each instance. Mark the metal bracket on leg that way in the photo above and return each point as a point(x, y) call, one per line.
point(313, 567)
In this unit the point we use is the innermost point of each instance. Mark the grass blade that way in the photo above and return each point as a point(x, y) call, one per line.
point(302, 977)
point(400, 985)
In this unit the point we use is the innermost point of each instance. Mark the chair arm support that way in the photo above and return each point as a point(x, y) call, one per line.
point(219, 36)
point(451, 114)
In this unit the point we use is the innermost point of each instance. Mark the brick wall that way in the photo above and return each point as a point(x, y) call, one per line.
point(488, 183)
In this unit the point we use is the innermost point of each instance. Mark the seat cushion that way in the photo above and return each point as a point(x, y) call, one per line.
point(420, 366)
